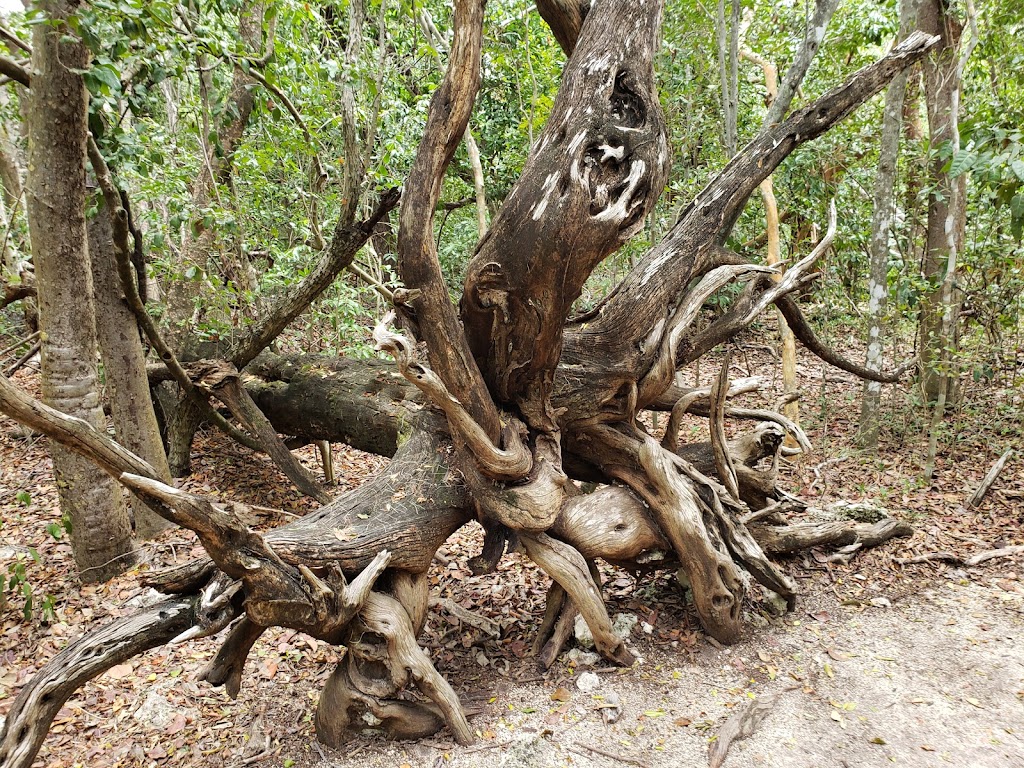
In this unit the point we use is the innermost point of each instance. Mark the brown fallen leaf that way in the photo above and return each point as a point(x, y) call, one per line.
point(561, 694)
point(177, 724)
point(120, 671)
point(682, 722)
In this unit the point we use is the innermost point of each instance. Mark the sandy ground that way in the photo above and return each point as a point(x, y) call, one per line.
point(935, 679)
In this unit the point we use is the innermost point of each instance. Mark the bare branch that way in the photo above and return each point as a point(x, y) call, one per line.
point(15, 70)
point(420, 269)
point(512, 463)
point(716, 423)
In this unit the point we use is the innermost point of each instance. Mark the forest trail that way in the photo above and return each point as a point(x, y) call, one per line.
point(881, 664)
point(935, 679)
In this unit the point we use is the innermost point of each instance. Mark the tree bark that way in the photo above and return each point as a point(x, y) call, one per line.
point(881, 219)
point(946, 200)
point(101, 534)
point(124, 367)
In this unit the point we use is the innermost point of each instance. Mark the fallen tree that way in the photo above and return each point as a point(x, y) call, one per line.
point(512, 408)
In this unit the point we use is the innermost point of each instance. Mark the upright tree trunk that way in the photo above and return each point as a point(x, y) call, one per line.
point(101, 535)
point(124, 367)
point(878, 276)
point(728, 72)
point(946, 211)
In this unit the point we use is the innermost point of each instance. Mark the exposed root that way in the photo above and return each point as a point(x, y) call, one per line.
point(532, 505)
point(385, 616)
point(227, 666)
point(566, 566)
point(687, 400)
point(346, 710)
point(638, 460)
point(787, 539)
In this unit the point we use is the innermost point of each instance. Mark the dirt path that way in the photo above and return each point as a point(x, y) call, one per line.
point(881, 664)
point(935, 679)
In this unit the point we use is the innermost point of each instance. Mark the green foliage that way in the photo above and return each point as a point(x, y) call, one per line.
point(161, 81)
point(18, 583)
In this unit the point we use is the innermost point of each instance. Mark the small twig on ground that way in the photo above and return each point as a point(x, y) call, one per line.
point(969, 562)
point(22, 360)
point(577, 748)
point(17, 345)
point(482, 623)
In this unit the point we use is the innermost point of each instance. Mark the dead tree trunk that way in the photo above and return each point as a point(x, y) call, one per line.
point(521, 401)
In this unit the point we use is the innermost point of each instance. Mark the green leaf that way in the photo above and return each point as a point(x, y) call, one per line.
point(107, 75)
point(1017, 215)
point(961, 163)
point(24, 497)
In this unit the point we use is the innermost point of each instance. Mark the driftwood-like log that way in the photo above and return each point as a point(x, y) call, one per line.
point(990, 477)
point(39, 701)
point(787, 539)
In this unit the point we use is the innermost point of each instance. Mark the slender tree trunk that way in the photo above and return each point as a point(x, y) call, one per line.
point(774, 255)
point(101, 535)
point(124, 367)
point(946, 211)
point(878, 275)
point(728, 71)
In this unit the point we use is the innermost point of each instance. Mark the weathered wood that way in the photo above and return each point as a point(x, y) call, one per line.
point(505, 464)
point(990, 477)
point(787, 539)
point(566, 566)
point(611, 343)
point(39, 701)
point(716, 423)
point(222, 380)
point(595, 172)
point(637, 460)
point(418, 263)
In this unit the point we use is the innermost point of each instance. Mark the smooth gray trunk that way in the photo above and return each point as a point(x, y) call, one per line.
point(101, 536)
point(124, 367)
point(881, 226)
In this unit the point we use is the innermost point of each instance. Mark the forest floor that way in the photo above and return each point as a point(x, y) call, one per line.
point(881, 663)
